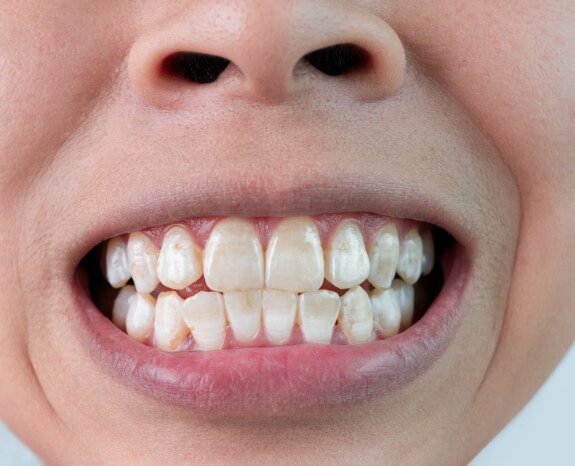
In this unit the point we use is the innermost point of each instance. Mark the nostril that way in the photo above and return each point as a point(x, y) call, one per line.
point(195, 67)
point(338, 59)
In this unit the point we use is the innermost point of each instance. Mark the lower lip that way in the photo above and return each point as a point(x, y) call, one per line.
point(276, 380)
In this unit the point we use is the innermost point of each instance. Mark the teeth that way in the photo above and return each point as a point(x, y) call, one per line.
point(205, 315)
point(233, 259)
point(384, 256)
point(318, 311)
point(405, 295)
point(279, 311)
point(428, 252)
point(410, 257)
point(294, 260)
point(386, 312)
point(355, 318)
point(140, 318)
point(143, 258)
point(180, 261)
point(244, 312)
point(117, 267)
point(169, 327)
point(346, 260)
point(122, 305)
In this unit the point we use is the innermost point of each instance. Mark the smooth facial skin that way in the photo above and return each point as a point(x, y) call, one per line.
point(474, 131)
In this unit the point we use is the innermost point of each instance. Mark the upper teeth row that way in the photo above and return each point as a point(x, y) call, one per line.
point(234, 260)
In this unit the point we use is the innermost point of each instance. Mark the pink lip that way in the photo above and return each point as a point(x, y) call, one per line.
point(282, 379)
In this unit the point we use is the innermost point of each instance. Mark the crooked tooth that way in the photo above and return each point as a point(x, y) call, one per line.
point(279, 311)
point(294, 258)
point(386, 312)
point(405, 295)
point(140, 318)
point(205, 315)
point(233, 257)
point(384, 256)
point(117, 266)
point(180, 260)
point(317, 314)
point(170, 330)
point(122, 305)
point(143, 258)
point(355, 317)
point(244, 313)
point(428, 258)
point(410, 257)
point(346, 260)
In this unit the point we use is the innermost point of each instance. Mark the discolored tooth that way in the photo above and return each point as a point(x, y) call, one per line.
point(140, 318)
point(410, 257)
point(428, 258)
point(205, 315)
point(122, 305)
point(355, 318)
point(384, 256)
point(244, 313)
point(180, 260)
point(170, 330)
point(294, 258)
point(317, 313)
point(386, 312)
point(279, 311)
point(405, 295)
point(346, 260)
point(143, 258)
point(233, 257)
point(117, 267)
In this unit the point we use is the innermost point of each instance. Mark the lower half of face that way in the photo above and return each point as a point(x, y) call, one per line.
point(251, 232)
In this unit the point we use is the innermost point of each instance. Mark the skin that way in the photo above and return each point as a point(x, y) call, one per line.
point(483, 122)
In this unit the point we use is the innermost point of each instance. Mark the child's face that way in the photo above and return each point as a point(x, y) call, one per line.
point(458, 114)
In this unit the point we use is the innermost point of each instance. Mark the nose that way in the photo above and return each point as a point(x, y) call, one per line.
point(266, 51)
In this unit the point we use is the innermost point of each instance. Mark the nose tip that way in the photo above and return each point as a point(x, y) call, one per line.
point(267, 51)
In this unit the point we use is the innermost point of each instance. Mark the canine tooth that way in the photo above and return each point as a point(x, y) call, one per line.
point(279, 311)
point(294, 258)
point(384, 256)
point(405, 295)
point(346, 260)
point(317, 313)
point(410, 257)
point(233, 257)
point(143, 258)
point(205, 315)
point(122, 305)
point(117, 267)
point(386, 312)
point(180, 260)
point(428, 258)
point(169, 327)
point(140, 318)
point(244, 312)
point(355, 318)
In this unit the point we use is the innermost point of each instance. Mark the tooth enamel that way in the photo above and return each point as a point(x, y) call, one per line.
point(180, 260)
point(143, 258)
point(346, 260)
point(279, 311)
point(205, 315)
point(386, 312)
point(140, 318)
point(317, 313)
point(384, 256)
point(410, 257)
point(294, 258)
point(355, 318)
point(169, 327)
point(122, 305)
point(428, 252)
point(244, 313)
point(405, 295)
point(117, 267)
point(233, 257)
